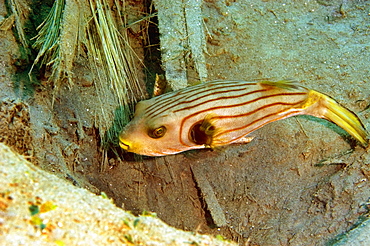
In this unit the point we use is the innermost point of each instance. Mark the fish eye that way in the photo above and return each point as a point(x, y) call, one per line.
point(157, 132)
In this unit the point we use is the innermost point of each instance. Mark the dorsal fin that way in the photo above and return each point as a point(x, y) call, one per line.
point(288, 84)
point(160, 85)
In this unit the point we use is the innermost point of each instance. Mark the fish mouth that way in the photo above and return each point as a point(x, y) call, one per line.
point(123, 145)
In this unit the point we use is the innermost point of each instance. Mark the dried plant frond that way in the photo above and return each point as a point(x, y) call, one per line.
point(145, 18)
point(20, 10)
point(47, 40)
point(113, 59)
point(57, 40)
point(72, 27)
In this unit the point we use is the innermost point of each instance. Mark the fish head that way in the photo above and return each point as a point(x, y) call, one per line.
point(152, 136)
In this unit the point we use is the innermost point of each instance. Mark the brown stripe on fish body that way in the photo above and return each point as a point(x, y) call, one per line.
point(182, 105)
point(248, 104)
point(183, 96)
point(228, 93)
point(257, 123)
point(176, 95)
point(201, 102)
point(193, 94)
point(245, 133)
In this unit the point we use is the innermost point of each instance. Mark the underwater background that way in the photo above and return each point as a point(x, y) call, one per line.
point(300, 181)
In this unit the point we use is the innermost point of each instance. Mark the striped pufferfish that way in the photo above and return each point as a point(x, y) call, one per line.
point(219, 113)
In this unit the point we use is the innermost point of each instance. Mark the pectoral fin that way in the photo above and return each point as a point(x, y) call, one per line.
point(202, 132)
point(244, 140)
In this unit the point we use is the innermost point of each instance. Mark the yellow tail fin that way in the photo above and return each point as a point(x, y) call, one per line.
point(329, 109)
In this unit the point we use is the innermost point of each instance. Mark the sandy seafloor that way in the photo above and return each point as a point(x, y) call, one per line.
point(271, 191)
